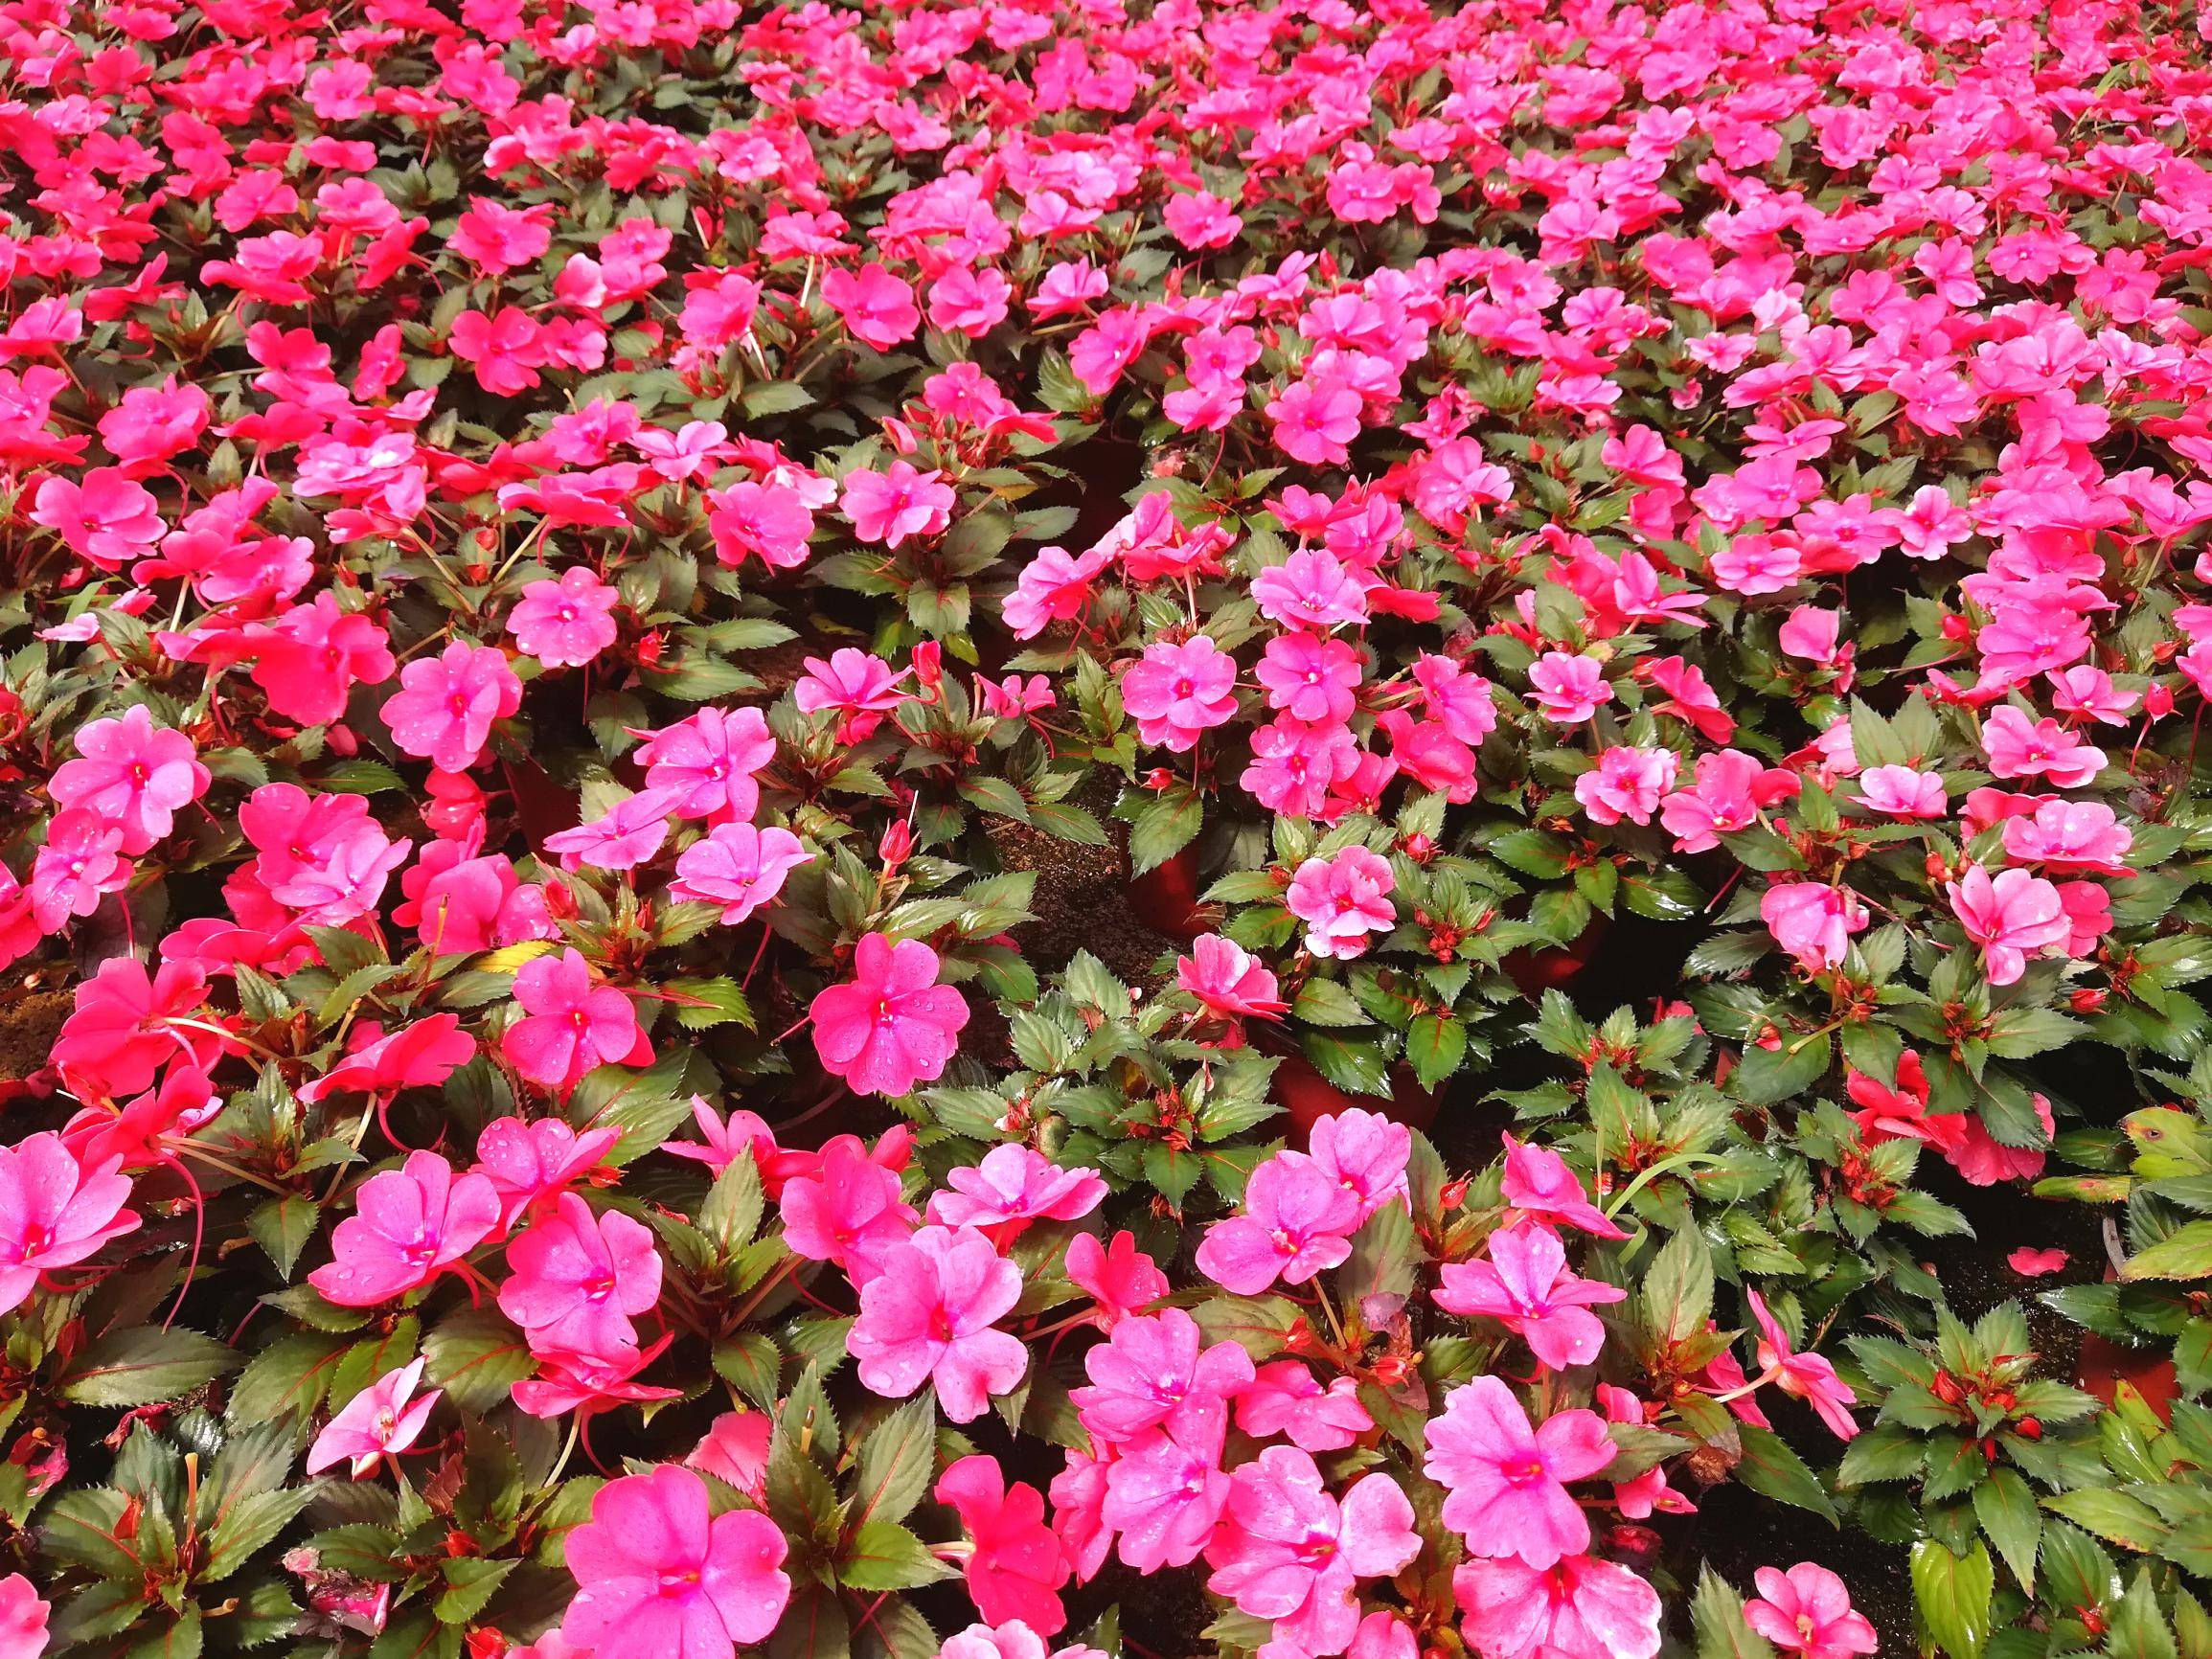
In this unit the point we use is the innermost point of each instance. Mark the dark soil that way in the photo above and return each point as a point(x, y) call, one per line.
point(29, 1020)
point(1081, 902)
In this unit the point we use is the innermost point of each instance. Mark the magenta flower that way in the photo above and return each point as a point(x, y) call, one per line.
point(2017, 748)
point(1015, 1565)
point(2012, 917)
point(1296, 1222)
point(929, 1317)
point(1527, 1288)
point(1806, 1610)
point(564, 623)
point(571, 1025)
point(770, 522)
point(877, 305)
point(1342, 901)
point(892, 1026)
point(1363, 1152)
point(622, 837)
point(1507, 1482)
point(1580, 1607)
point(1806, 1377)
point(738, 868)
point(579, 1279)
point(322, 856)
point(531, 1163)
point(107, 518)
point(1119, 1277)
point(1015, 1183)
point(408, 1226)
point(1312, 589)
point(896, 505)
point(1153, 1371)
point(447, 705)
point(80, 864)
point(132, 775)
point(1627, 783)
point(2071, 838)
point(1539, 1184)
point(53, 1212)
point(659, 1580)
point(1164, 1499)
point(383, 1420)
point(1285, 1400)
point(710, 759)
point(847, 1211)
point(1289, 1552)
point(1175, 691)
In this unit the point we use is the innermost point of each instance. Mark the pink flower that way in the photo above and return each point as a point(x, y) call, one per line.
point(1627, 783)
point(121, 1030)
point(1015, 1183)
point(564, 623)
point(132, 775)
point(445, 711)
point(106, 519)
point(78, 865)
point(1363, 1152)
point(1568, 688)
point(1641, 1495)
point(736, 1451)
point(1578, 1608)
point(1175, 691)
point(1164, 1499)
point(1342, 901)
point(1228, 980)
point(418, 1054)
point(877, 305)
point(1315, 421)
point(53, 1212)
point(1310, 589)
point(1507, 1482)
point(2071, 838)
point(770, 522)
point(1119, 1277)
point(858, 685)
point(570, 1025)
point(1805, 1376)
point(1526, 1287)
point(2044, 749)
point(849, 1211)
point(738, 868)
point(408, 1226)
point(658, 1579)
point(1806, 1610)
point(1285, 1400)
point(1016, 1566)
point(1054, 586)
point(929, 1317)
point(892, 1026)
point(22, 1617)
point(710, 760)
point(1153, 1371)
point(1539, 1184)
point(624, 836)
point(1311, 678)
point(311, 658)
point(1902, 792)
point(2012, 917)
point(531, 1163)
point(320, 855)
point(890, 506)
point(1813, 920)
point(2033, 1263)
point(578, 1279)
point(1296, 1222)
point(1730, 790)
point(383, 1420)
point(1289, 1551)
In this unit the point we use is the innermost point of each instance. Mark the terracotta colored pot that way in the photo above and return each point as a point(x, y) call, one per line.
point(1555, 968)
point(2103, 1365)
point(1165, 897)
point(1307, 1097)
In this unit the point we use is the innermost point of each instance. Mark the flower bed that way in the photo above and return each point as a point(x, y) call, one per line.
point(900, 830)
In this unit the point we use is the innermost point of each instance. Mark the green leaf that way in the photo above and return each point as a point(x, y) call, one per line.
point(896, 1461)
point(281, 1227)
point(2007, 1511)
point(1716, 1615)
point(470, 1582)
point(1678, 1295)
point(2113, 1516)
point(1770, 1467)
point(1953, 1594)
point(476, 1356)
point(1163, 828)
point(1769, 1076)
point(2185, 1253)
point(884, 1556)
point(1435, 1045)
point(145, 1367)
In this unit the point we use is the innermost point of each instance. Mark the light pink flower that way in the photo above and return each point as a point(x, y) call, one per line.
point(1526, 1287)
point(622, 837)
point(710, 760)
point(2012, 917)
point(1154, 1371)
point(1506, 1481)
point(1627, 783)
point(1163, 1498)
point(929, 1317)
point(531, 1163)
point(1579, 1608)
point(892, 1025)
point(1016, 1183)
point(22, 1617)
point(2017, 748)
point(1289, 1551)
point(738, 868)
point(896, 505)
point(860, 687)
point(1228, 979)
point(132, 775)
point(1539, 1184)
point(1806, 1610)
point(579, 1279)
point(1568, 688)
point(570, 1025)
point(1902, 792)
point(1363, 1152)
point(1175, 691)
point(659, 1580)
point(446, 704)
point(383, 1420)
point(848, 1211)
point(2071, 838)
point(1296, 1222)
point(1813, 920)
point(1343, 899)
point(1283, 1399)
point(564, 623)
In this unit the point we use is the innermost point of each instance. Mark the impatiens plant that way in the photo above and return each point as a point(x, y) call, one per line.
point(934, 831)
